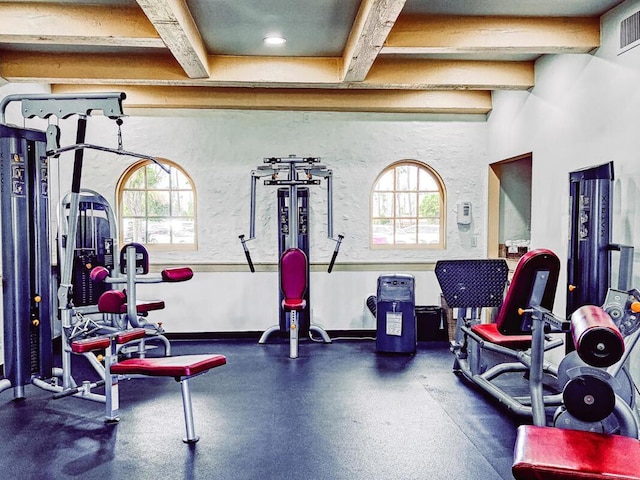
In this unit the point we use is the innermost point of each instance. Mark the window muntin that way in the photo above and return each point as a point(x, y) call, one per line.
point(407, 207)
point(157, 208)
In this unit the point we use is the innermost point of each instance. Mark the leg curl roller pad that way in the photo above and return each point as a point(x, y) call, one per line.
point(596, 337)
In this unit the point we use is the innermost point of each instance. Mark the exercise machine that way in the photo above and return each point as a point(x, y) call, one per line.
point(134, 263)
point(133, 312)
point(293, 175)
point(95, 244)
point(591, 389)
point(589, 262)
point(28, 300)
point(591, 392)
point(26, 261)
point(470, 285)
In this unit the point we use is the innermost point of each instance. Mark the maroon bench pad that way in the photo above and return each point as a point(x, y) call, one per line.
point(104, 341)
point(90, 344)
point(178, 366)
point(129, 335)
point(558, 454)
point(180, 274)
point(490, 332)
point(115, 301)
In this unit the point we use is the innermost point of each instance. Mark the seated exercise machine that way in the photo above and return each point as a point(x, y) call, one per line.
point(474, 284)
point(592, 393)
point(293, 174)
point(95, 245)
point(182, 367)
point(521, 334)
point(596, 394)
point(26, 265)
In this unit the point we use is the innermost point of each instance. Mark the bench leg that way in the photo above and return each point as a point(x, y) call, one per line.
point(188, 412)
point(111, 390)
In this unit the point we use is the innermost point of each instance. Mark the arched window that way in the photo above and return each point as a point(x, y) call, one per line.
point(408, 207)
point(157, 208)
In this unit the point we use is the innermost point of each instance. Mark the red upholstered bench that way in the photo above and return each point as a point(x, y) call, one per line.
point(557, 454)
point(178, 367)
point(182, 368)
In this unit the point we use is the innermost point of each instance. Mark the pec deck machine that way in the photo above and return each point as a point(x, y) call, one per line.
point(293, 175)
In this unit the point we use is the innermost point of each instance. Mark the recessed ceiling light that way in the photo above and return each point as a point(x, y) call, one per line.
point(274, 40)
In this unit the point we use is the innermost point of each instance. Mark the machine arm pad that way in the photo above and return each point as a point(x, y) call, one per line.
point(596, 338)
point(181, 274)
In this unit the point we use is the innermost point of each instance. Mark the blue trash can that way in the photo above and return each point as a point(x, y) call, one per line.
point(395, 314)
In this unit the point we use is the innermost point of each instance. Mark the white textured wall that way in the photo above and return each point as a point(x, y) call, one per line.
point(220, 148)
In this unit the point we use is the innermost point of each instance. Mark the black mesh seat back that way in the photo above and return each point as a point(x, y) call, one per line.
point(472, 283)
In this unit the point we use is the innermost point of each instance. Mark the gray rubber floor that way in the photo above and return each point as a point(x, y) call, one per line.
point(339, 411)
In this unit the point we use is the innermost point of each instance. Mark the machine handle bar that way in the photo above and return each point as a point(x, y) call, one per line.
point(335, 253)
point(246, 252)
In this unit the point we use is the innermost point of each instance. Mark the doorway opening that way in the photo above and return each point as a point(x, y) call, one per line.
point(509, 212)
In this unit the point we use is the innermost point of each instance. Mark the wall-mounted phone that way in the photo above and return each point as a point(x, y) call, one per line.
point(464, 213)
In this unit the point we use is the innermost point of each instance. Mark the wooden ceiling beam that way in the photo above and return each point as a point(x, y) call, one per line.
point(257, 70)
point(91, 68)
point(394, 101)
point(391, 72)
point(50, 23)
point(370, 29)
point(264, 72)
point(173, 21)
point(443, 34)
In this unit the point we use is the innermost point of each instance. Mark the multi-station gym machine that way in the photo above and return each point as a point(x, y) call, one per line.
point(28, 299)
point(293, 175)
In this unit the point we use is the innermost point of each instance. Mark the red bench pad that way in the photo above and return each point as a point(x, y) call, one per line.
point(178, 366)
point(180, 274)
point(144, 306)
point(104, 341)
point(558, 454)
point(129, 335)
point(490, 333)
point(115, 301)
point(90, 344)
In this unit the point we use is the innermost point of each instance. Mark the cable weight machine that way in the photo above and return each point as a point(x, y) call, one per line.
point(26, 262)
point(28, 299)
point(293, 175)
point(589, 266)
